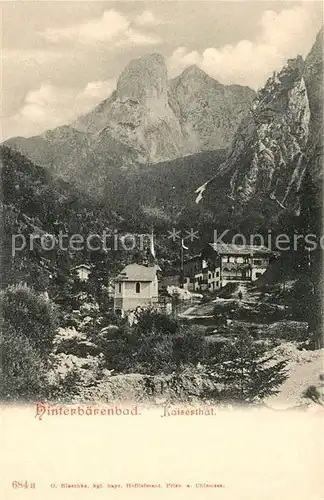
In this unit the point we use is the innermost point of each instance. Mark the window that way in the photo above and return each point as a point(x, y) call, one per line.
point(209, 276)
point(217, 283)
point(217, 273)
point(257, 262)
point(138, 287)
point(119, 287)
point(257, 275)
point(213, 275)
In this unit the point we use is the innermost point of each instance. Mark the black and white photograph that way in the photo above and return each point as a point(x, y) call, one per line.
point(162, 202)
point(162, 220)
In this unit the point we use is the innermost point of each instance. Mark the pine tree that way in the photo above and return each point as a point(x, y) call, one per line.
point(310, 219)
point(104, 267)
point(246, 372)
point(310, 222)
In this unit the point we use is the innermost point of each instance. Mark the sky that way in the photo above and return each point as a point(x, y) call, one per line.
point(60, 59)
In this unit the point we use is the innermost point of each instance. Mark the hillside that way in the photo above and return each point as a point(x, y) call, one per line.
point(162, 193)
point(36, 205)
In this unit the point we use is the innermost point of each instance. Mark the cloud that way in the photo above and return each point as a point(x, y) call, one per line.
point(282, 36)
point(133, 37)
point(50, 106)
point(104, 29)
point(146, 19)
point(112, 27)
point(29, 56)
point(181, 59)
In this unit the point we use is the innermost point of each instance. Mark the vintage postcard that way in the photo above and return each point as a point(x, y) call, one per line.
point(161, 254)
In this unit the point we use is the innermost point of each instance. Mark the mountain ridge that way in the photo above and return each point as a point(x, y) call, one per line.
point(279, 138)
point(144, 121)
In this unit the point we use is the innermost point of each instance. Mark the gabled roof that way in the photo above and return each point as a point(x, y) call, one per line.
point(82, 266)
point(231, 249)
point(193, 259)
point(136, 272)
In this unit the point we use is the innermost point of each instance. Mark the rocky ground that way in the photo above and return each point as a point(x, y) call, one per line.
point(305, 369)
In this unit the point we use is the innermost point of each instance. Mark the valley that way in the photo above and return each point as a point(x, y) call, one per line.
point(157, 156)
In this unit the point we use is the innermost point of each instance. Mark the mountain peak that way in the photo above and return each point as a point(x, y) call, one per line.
point(143, 77)
point(146, 120)
point(194, 71)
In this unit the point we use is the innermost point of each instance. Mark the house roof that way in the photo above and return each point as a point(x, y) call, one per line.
point(136, 272)
point(230, 249)
point(82, 266)
point(193, 259)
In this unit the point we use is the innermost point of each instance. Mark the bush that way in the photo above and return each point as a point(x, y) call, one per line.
point(228, 290)
point(148, 320)
point(155, 344)
point(312, 393)
point(23, 368)
point(205, 298)
point(30, 314)
point(28, 328)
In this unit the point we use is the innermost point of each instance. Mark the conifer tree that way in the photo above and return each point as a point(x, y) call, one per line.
point(246, 372)
point(310, 222)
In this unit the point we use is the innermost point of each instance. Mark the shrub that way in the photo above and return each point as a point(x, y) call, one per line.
point(30, 314)
point(312, 393)
point(23, 368)
point(189, 347)
point(228, 290)
point(155, 344)
point(148, 320)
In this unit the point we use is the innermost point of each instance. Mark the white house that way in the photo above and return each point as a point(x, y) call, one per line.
point(136, 287)
point(201, 273)
point(221, 263)
point(83, 272)
point(241, 263)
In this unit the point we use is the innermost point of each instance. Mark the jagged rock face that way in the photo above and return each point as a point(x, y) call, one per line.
point(280, 137)
point(267, 154)
point(138, 114)
point(209, 113)
point(146, 120)
point(162, 120)
point(314, 76)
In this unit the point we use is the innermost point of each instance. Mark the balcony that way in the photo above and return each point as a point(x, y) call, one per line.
point(235, 278)
point(235, 266)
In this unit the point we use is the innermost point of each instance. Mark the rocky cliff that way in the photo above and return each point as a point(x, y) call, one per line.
point(208, 112)
point(314, 77)
point(164, 120)
point(280, 136)
point(138, 113)
point(146, 120)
